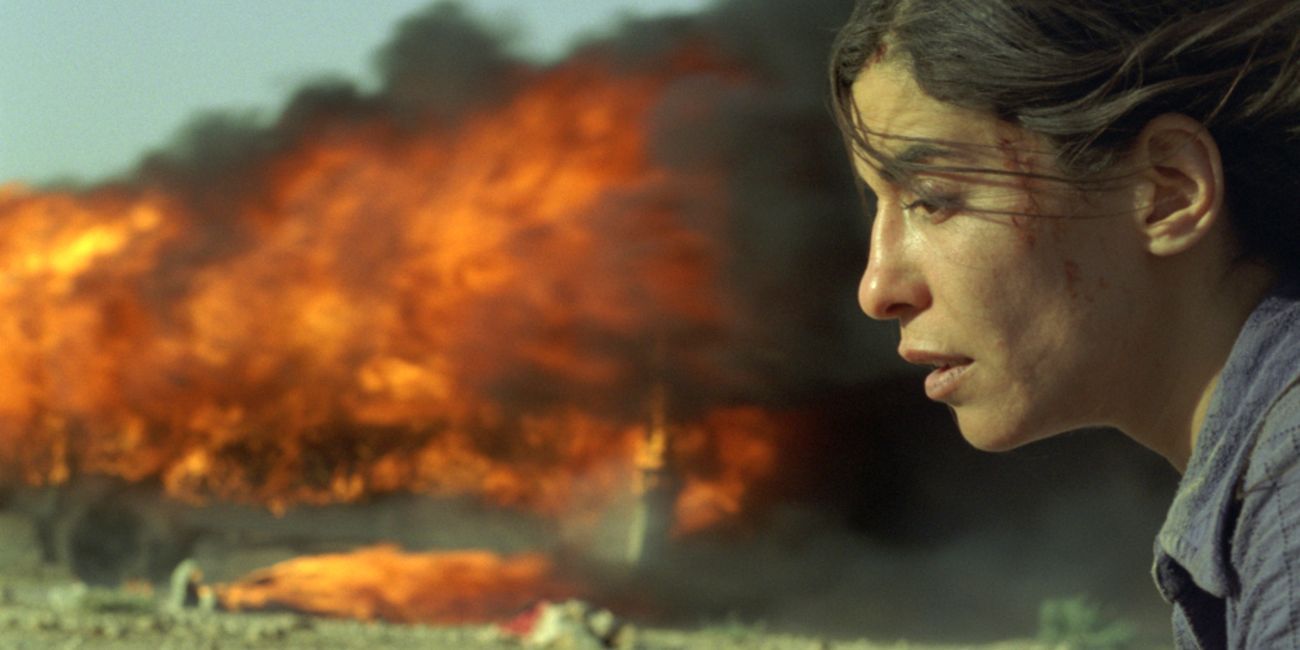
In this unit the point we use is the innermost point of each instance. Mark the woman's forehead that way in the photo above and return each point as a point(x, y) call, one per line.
point(904, 159)
point(898, 125)
point(891, 109)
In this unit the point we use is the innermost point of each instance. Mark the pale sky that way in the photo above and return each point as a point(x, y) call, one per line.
point(86, 86)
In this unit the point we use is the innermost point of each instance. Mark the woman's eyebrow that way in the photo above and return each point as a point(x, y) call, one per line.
point(903, 165)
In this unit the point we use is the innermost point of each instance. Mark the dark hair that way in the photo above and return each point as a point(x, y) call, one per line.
point(1089, 74)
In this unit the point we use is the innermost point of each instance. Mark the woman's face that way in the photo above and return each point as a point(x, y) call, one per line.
point(1020, 292)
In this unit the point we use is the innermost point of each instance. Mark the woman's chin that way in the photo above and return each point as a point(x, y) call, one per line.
point(995, 434)
point(992, 444)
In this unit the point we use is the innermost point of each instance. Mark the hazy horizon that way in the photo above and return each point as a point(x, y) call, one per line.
point(89, 87)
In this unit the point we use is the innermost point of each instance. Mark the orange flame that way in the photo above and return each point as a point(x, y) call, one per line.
point(381, 582)
point(420, 310)
point(741, 443)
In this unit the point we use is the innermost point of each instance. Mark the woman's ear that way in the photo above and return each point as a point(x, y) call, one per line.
point(1179, 160)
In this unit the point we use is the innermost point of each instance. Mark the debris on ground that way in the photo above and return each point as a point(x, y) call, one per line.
point(186, 589)
point(570, 625)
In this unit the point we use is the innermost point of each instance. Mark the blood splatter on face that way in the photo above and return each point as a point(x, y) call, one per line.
point(880, 54)
point(1072, 276)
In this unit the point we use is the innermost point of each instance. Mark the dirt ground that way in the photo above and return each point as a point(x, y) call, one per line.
point(43, 606)
point(32, 627)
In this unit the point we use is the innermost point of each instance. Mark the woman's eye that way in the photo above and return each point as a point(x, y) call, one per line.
point(922, 205)
point(931, 208)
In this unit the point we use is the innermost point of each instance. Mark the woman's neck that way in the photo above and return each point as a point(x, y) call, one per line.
point(1198, 329)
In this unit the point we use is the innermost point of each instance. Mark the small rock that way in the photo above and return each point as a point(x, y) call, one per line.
point(258, 632)
point(602, 623)
point(67, 598)
point(624, 638)
point(493, 635)
point(42, 621)
point(209, 629)
point(148, 624)
point(114, 631)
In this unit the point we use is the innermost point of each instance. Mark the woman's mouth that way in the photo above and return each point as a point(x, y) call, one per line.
point(945, 379)
point(949, 369)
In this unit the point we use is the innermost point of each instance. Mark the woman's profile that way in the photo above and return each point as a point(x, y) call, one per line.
point(1087, 213)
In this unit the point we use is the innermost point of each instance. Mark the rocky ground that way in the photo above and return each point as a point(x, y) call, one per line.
point(42, 605)
point(25, 627)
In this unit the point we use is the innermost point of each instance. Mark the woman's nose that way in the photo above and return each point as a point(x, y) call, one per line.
point(893, 285)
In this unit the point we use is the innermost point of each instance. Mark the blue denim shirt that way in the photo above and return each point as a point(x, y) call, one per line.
point(1228, 556)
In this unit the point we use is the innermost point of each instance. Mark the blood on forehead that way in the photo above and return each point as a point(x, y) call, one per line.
point(880, 54)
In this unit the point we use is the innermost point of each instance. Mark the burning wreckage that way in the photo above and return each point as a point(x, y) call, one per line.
point(491, 309)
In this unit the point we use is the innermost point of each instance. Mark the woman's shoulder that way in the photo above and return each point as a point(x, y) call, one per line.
point(1275, 459)
point(1285, 412)
point(1265, 546)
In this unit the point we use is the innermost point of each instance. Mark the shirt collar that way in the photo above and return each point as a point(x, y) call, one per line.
point(1264, 360)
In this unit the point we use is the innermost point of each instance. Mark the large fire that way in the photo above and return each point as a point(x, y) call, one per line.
point(480, 310)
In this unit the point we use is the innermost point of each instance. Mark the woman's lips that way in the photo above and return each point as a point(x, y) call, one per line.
point(945, 380)
point(948, 370)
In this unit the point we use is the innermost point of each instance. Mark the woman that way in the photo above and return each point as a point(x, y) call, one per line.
point(1088, 213)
